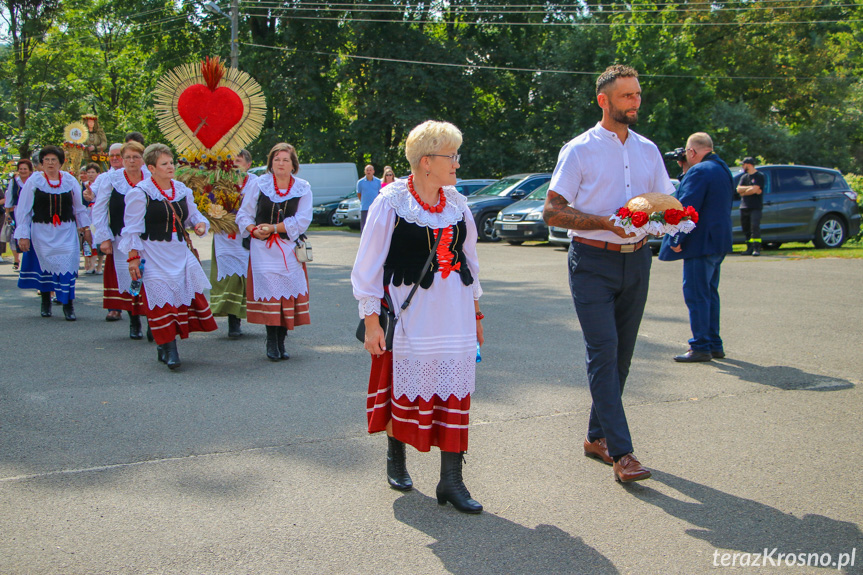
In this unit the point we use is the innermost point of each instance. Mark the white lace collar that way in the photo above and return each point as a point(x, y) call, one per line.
point(400, 199)
point(267, 187)
point(149, 188)
point(119, 182)
point(67, 183)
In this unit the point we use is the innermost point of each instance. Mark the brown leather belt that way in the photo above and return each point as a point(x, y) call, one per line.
point(610, 246)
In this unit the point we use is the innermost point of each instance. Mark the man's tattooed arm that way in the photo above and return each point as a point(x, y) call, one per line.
point(557, 212)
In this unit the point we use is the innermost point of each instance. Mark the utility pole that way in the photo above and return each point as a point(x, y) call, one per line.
point(235, 24)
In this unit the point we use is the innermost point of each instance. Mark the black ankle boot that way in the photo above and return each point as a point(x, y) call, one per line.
point(397, 470)
point(149, 334)
point(135, 327)
point(451, 487)
point(272, 343)
point(280, 342)
point(172, 356)
point(46, 304)
point(234, 330)
point(160, 353)
point(69, 311)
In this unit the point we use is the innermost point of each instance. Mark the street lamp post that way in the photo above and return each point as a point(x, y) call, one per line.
point(235, 24)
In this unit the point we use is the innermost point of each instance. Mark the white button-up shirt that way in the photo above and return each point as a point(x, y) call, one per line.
point(597, 174)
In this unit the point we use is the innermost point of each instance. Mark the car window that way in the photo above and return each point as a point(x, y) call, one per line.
point(499, 188)
point(828, 180)
point(794, 180)
point(539, 193)
point(531, 185)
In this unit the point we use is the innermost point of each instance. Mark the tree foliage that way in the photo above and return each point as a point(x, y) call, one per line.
point(347, 82)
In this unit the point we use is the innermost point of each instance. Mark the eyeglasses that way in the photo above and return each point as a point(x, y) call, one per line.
point(455, 158)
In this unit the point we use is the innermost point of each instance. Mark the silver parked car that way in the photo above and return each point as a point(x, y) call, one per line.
point(348, 213)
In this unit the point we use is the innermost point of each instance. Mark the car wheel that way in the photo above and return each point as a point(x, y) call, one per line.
point(334, 221)
point(772, 245)
point(486, 228)
point(830, 232)
point(515, 242)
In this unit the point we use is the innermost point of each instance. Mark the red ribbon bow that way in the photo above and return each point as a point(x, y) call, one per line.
point(55, 220)
point(232, 236)
point(275, 239)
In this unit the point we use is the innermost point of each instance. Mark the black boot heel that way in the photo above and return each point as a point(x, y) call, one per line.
point(280, 342)
point(160, 354)
point(234, 331)
point(69, 311)
point(46, 304)
point(451, 487)
point(397, 470)
point(272, 343)
point(135, 327)
point(172, 356)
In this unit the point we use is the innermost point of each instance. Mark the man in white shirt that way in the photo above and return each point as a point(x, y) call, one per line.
point(596, 174)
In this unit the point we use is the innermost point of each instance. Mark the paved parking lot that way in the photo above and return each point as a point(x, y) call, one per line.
point(109, 463)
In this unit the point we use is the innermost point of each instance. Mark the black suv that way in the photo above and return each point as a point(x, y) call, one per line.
point(486, 203)
point(801, 204)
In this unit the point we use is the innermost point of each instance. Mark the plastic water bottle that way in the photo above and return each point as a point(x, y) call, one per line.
point(87, 251)
point(135, 288)
point(478, 355)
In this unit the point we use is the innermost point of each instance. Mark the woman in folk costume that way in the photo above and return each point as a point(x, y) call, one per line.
point(157, 212)
point(48, 217)
point(230, 263)
point(276, 211)
point(108, 220)
point(419, 391)
point(16, 184)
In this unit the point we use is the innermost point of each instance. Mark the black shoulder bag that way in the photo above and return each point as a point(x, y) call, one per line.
point(387, 317)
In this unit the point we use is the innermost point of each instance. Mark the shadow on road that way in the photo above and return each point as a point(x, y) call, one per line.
point(474, 545)
point(732, 523)
point(781, 376)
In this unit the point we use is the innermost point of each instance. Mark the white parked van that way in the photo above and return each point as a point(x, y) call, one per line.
point(329, 182)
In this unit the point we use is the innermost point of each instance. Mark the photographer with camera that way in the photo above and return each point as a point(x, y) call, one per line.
point(707, 186)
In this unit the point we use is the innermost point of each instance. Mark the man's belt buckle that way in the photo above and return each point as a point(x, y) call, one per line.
point(627, 248)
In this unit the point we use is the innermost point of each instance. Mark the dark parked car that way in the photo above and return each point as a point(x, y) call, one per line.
point(523, 220)
point(325, 214)
point(801, 204)
point(486, 203)
point(468, 187)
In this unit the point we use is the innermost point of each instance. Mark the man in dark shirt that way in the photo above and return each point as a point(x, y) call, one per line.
point(750, 189)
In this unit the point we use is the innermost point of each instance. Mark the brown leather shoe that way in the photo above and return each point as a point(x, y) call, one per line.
point(628, 469)
point(597, 450)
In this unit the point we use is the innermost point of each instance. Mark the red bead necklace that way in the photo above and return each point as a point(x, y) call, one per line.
point(59, 177)
point(131, 185)
point(433, 209)
point(161, 191)
point(276, 186)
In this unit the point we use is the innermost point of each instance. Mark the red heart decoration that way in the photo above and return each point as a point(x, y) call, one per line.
point(219, 110)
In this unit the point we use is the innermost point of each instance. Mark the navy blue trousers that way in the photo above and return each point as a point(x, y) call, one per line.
point(609, 290)
point(701, 294)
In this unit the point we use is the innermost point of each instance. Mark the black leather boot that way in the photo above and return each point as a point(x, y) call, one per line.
point(756, 248)
point(451, 487)
point(280, 342)
point(149, 334)
point(160, 354)
point(272, 343)
point(46, 304)
point(69, 311)
point(397, 470)
point(234, 330)
point(172, 356)
point(135, 327)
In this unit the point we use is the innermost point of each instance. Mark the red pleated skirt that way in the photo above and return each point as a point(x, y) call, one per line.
point(113, 298)
point(284, 312)
point(421, 423)
point(168, 321)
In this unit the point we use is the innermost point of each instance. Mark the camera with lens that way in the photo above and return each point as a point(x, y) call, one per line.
point(676, 155)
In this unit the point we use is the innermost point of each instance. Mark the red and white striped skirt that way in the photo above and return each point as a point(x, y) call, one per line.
point(284, 312)
point(169, 321)
point(113, 298)
point(421, 423)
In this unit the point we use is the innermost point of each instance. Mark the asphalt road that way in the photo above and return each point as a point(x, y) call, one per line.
point(109, 463)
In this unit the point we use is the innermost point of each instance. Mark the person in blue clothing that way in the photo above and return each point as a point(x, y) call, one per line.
point(707, 186)
point(368, 189)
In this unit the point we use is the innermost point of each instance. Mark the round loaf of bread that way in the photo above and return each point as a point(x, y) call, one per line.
point(653, 202)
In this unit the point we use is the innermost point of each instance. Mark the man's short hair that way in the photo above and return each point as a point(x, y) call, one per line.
point(749, 160)
point(115, 147)
point(135, 137)
point(701, 140)
point(93, 166)
point(612, 73)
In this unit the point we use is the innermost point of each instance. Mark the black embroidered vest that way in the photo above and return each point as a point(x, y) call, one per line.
point(270, 212)
point(116, 212)
point(410, 248)
point(159, 218)
point(46, 206)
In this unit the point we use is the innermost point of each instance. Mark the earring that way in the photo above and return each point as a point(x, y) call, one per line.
point(427, 174)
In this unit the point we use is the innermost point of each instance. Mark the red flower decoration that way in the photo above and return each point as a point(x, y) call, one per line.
point(639, 219)
point(691, 214)
point(672, 216)
point(624, 212)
